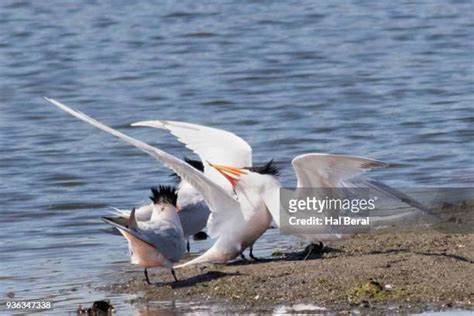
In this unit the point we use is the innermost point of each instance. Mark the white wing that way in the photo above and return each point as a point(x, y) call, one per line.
point(330, 171)
point(210, 144)
point(335, 171)
point(224, 207)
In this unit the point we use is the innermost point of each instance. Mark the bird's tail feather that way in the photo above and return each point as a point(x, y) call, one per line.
point(124, 230)
point(210, 256)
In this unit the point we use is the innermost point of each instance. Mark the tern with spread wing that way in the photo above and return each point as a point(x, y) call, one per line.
point(234, 226)
point(313, 170)
point(221, 148)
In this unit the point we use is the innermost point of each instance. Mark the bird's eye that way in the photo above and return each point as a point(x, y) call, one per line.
point(162, 209)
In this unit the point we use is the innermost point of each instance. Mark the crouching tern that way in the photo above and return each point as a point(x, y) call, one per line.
point(235, 224)
point(191, 207)
point(159, 241)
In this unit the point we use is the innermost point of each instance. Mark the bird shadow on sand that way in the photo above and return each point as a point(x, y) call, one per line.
point(447, 255)
point(422, 253)
point(197, 279)
point(289, 256)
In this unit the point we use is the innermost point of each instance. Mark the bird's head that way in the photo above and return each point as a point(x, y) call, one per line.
point(250, 176)
point(164, 201)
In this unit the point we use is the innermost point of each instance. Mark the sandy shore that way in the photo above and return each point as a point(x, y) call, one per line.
point(408, 271)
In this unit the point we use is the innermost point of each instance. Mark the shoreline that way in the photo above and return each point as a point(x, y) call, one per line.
point(408, 271)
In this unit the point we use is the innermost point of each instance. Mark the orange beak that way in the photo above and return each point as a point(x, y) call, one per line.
point(232, 174)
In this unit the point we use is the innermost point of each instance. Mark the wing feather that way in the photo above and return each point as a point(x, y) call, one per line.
point(220, 202)
point(210, 144)
point(316, 170)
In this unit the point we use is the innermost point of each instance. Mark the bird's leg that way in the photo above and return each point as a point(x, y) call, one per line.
point(174, 275)
point(251, 254)
point(188, 249)
point(146, 276)
point(242, 256)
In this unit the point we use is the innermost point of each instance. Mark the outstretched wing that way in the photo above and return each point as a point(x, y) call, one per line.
point(316, 170)
point(330, 171)
point(223, 205)
point(210, 144)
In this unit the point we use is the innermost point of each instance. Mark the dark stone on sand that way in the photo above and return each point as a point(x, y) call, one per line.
point(98, 308)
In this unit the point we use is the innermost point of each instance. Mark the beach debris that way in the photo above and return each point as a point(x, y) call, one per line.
point(360, 295)
point(277, 252)
point(374, 291)
point(102, 307)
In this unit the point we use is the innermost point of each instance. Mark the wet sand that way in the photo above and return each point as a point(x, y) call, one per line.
point(408, 271)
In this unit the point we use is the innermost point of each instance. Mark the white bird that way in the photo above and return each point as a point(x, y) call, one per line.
point(235, 227)
point(219, 147)
point(192, 209)
point(325, 171)
point(313, 170)
point(159, 241)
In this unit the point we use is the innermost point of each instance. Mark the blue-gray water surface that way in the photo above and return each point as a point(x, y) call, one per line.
point(391, 80)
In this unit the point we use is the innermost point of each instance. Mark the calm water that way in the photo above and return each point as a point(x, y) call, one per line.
point(392, 81)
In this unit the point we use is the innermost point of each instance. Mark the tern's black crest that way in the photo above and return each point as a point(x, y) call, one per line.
point(268, 168)
point(197, 164)
point(164, 195)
